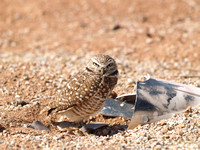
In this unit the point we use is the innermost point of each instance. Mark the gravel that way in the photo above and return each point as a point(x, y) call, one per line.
point(43, 43)
point(46, 78)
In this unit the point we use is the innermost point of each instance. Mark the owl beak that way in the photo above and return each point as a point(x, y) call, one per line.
point(103, 71)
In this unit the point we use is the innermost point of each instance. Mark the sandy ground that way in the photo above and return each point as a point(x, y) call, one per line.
point(43, 42)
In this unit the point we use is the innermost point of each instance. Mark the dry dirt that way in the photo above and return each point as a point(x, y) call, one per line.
point(43, 42)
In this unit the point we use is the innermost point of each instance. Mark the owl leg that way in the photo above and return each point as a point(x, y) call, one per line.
point(80, 124)
point(53, 125)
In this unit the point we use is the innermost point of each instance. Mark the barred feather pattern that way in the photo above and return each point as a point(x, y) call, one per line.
point(85, 93)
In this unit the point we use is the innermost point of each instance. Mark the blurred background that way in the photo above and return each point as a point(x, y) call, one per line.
point(44, 42)
point(154, 29)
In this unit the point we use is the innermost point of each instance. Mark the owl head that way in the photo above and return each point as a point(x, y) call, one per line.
point(103, 65)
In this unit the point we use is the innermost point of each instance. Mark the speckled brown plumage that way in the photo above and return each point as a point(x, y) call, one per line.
point(87, 90)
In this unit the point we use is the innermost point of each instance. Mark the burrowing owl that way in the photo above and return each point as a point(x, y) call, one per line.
point(87, 90)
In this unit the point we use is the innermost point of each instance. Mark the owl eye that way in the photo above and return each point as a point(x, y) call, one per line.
point(95, 64)
point(110, 65)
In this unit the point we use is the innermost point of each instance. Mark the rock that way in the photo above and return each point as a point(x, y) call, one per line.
point(39, 125)
point(93, 126)
point(65, 124)
point(116, 27)
point(105, 132)
point(20, 102)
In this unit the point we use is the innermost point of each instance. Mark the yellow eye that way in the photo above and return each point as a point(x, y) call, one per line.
point(95, 64)
point(110, 65)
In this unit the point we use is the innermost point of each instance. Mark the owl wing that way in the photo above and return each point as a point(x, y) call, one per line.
point(80, 87)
